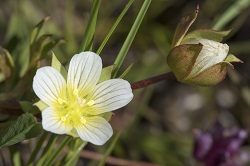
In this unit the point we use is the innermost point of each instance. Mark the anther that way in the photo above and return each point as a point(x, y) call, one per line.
point(60, 100)
point(91, 102)
point(83, 120)
point(76, 92)
point(63, 118)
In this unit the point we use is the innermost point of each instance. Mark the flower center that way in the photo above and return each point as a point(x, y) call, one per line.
point(73, 111)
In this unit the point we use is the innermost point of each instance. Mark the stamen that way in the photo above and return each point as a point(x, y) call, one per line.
point(60, 100)
point(81, 101)
point(91, 102)
point(76, 92)
point(63, 118)
point(83, 120)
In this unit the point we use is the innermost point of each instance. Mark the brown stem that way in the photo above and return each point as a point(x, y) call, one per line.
point(152, 80)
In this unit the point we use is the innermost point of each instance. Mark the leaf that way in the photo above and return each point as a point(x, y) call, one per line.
point(58, 66)
point(126, 71)
point(106, 73)
point(37, 29)
point(49, 46)
point(40, 105)
point(125, 47)
point(90, 30)
point(18, 130)
point(114, 26)
point(183, 27)
point(209, 34)
point(29, 107)
point(6, 63)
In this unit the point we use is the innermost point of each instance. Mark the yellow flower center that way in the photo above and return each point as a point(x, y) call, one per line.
point(73, 110)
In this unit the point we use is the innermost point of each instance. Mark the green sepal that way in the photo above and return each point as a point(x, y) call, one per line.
point(58, 66)
point(209, 34)
point(29, 107)
point(183, 26)
point(106, 73)
point(231, 58)
point(107, 115)
point(40, 105)
point(181, 59)
point(19, 130)
point(211, 76)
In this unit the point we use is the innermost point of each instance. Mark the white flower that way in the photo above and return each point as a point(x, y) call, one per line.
point(76, 105)
point(212, 53)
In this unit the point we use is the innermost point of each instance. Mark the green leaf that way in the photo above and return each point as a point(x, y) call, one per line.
point(37, 29)
point(73, 152)
point(114, 26)
point(183, 27)
point(18, 130)
point(6, 63)
point(58, 66)
point(40, 105)
point(106, 73)
point(36, 48)
point(126, 71)
point(36, 130)
point(110, 149)
point(49, 46)
point(90, 30)
point(29, 107)
point(209, 34)
point(125, 47)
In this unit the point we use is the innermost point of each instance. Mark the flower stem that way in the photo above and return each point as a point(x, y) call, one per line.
point(152, 80)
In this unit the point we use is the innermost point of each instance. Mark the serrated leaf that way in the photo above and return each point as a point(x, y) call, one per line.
point(106, 73)
point(58, 66)
point(126, 71)
point(40, 105)
point(29, 107)
point(183, 27)
point(18, 130)
point(209, 34)
point(37, 29)
point(36, 130)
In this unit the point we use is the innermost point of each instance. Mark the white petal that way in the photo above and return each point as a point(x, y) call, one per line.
point(96, 130)
point(49, 85)
point(111, 95)
point(84, 72)
point(212, 53)
point(52, 122)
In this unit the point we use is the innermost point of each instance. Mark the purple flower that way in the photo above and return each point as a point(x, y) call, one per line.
point(219, 146)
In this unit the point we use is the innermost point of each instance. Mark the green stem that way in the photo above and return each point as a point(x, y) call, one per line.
point(152, 80)
point(124, 50)
point(110, 149)
point(57, 152)
point(38, 147)
point(114, 26)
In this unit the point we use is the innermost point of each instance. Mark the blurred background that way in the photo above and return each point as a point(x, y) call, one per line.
point(158, 126)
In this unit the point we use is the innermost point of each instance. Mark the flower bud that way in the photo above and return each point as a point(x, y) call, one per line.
point(200, 61)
